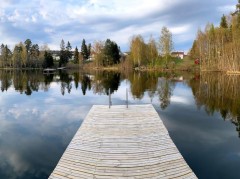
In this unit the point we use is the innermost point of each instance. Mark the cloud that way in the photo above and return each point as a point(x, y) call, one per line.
point(48, 22)
point(179, 99)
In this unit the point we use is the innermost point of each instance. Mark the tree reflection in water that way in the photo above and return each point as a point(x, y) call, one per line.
point(165, 89)
point(218, 92)
point(215, 92)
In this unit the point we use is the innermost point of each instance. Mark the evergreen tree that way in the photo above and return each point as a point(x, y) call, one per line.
point(218, 48)
point(48, 60)
point(65, 53)
point(84, 50)
point(68, 52)
point(76, 56)
point(89, 49)
point(111, 51)
point(223, 23)
point(62, 53)
point(28, 45)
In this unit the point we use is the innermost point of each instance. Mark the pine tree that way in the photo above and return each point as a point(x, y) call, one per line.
point(28, 44)
point(68, 52)
point(89, 49)
point(48, 60)
point(65, 53)
point(223, 23)
point(111, 51)
point(76, 56)
point(84, 50)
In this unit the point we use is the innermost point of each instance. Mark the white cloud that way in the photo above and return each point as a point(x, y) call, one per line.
point(46, 21)
point(179, 99)
point(180, 29)
point(227, 8)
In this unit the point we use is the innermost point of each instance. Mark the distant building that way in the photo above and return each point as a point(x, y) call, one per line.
point(56, 54)
point(179, 55)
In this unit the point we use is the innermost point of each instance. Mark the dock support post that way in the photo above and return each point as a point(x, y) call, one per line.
point(110, 102)
point(127, 97)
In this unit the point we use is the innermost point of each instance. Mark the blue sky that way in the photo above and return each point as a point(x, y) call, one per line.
point(49, 21)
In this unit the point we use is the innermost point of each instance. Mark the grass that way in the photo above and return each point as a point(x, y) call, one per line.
point(186, 64)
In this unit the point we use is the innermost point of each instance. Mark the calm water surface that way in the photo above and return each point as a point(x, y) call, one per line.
point(39, 114)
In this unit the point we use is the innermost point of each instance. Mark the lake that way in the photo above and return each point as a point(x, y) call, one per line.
point(39, 115)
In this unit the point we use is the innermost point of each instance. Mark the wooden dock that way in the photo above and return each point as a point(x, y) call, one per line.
point(123, 143)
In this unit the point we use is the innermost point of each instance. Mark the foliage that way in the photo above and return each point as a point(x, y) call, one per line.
point(218, 47)
point(106, 53)
point(98, 52)
point(138, 50)
point(5, 56)
point(165, 42)
point(68, 51)
point(223, 23)
point(152, 52)
point(166, 45)
point(76, 56)
point(84, 50)
point(48, 60)
point(147, 54)
point(111, 52)
point(218, 92)
point(65, 53)
point(89, 50)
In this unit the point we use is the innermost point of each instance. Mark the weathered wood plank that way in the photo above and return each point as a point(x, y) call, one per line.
point(122, 143)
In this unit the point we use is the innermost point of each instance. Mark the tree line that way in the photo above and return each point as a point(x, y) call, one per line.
point(102, 53)
point(25, 55)
point(104, 82)
point(28, 55)
point(218, 93)
point(152, 53)
point(218, 48)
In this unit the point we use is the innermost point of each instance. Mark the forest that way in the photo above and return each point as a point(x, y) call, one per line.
point(100, 54)
point(218, 48)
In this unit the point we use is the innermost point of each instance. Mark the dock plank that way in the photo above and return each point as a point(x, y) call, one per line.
point(120, 142)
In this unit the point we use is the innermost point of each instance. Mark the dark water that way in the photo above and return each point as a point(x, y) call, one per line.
point(39, 114)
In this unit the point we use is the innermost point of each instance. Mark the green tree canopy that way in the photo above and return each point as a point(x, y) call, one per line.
point(48, 60)
point(84, 50)
point(223, 23)
point(165, 42)
point(65, 53)
point(76, 56)
point(111, 51)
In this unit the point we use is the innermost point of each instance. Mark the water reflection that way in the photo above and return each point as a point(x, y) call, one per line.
point(39, 114)
point(218, 93)
point(215, 92)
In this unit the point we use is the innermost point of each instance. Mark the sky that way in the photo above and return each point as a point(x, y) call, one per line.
point(50, 21)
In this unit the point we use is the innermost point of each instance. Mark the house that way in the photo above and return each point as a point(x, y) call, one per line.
point(56, 54)
point(179, 55)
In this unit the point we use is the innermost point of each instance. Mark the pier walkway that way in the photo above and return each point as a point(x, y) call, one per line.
point(122, 143)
